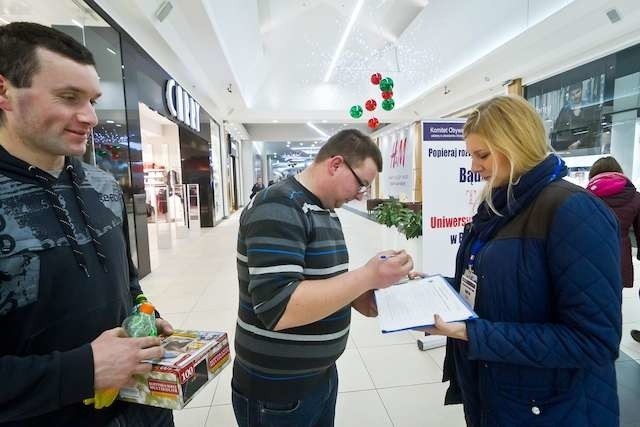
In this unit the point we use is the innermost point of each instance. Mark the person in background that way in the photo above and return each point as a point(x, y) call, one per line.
point(295, 290)
point(607, 181)
point(540, 265)
point(66, 276)
point(256, 187)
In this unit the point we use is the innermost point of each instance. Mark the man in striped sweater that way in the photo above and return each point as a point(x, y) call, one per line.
point(296, 292)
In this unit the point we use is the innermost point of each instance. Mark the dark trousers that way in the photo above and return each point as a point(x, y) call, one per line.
point(316, 409)
point(134, 415)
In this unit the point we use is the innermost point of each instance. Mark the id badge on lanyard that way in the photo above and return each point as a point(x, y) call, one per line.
point(469, 281)
point(469, 286)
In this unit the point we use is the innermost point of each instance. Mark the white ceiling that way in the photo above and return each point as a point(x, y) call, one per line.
point(256, 61)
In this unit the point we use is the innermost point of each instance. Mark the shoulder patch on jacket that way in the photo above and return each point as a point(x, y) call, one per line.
point(536, 219)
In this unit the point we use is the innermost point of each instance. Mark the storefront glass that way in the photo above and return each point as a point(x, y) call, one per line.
point(216, 168)
point(592, 111)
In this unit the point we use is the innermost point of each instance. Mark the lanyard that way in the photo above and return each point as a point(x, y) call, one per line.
point(475, 250)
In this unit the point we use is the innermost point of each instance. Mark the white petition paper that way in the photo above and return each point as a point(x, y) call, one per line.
point(413, 304)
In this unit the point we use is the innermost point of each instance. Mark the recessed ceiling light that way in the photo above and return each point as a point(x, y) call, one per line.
point(274, 121)
point(344, 124)
point(109, 121)
point(324, 121)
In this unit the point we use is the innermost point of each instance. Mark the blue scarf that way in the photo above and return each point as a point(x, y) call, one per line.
point(486, 223)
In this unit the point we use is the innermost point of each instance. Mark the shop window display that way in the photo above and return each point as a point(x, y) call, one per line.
point(592, 111)
point(573, 115)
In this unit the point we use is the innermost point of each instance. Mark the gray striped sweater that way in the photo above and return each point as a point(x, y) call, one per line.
point(285, 237)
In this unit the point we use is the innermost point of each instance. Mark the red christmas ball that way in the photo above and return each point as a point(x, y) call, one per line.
point(370, 104)
point(373, 123)
point(388, 94)
point(375, 78)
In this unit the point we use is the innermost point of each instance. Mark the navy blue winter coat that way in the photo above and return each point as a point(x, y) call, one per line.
point(549, 304)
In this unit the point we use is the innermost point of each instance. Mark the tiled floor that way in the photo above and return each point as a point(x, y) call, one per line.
point(384, 379)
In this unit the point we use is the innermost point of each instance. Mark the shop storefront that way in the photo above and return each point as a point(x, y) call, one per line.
point(216, 168)
point(233, 172)
point(593, 111)
point(152, 135)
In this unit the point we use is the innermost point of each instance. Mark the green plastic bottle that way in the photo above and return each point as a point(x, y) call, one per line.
point(142, 323)
point(140, 299)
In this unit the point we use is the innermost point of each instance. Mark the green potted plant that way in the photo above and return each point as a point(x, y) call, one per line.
point(389, 213)
point(410, 223)
point(393, 214)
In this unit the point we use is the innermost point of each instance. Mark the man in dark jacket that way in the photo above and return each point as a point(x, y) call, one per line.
point(66, 278)
point(256, 187)
point(577, 124)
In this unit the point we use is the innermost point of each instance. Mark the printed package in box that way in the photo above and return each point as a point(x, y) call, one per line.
point(192, 359)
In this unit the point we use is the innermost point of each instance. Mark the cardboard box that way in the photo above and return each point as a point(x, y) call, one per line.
point(192, 359)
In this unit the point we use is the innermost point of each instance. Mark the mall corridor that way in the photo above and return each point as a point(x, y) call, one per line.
point(384, 379)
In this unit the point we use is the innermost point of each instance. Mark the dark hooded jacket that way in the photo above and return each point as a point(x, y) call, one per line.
point(621, 196)
point(65, 277)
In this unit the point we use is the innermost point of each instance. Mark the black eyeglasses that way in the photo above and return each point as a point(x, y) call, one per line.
point(363, 188)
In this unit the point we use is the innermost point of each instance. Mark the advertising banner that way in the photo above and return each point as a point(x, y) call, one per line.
point(397, 149)
point(449, 193)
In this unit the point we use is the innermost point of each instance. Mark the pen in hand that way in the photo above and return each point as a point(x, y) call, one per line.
point(383, 257)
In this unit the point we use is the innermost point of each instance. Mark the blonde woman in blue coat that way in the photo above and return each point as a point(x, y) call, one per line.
point(540, 264)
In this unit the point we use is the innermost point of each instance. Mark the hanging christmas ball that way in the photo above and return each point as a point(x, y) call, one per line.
point(371, 104)
point(387, 94)
point(356, 111)
point(373, 123)
point(375, 78)
point(388, 104)
point(386, 84)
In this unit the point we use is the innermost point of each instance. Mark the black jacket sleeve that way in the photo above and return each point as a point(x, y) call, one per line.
point(35, 385)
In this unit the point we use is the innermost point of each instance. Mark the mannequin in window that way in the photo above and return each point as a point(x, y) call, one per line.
point(175, 206)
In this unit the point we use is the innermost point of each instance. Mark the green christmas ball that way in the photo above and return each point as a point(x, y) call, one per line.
point(388, 104)
point(356, 111)
point(386, 84)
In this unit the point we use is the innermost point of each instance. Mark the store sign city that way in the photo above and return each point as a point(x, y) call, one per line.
point(181, 105)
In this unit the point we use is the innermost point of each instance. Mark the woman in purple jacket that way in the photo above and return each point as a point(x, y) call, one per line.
point(607, 181)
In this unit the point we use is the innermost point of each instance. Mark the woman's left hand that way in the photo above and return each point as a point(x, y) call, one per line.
point(457, 330)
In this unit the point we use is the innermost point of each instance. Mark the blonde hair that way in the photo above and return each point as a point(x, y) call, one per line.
point(509, 125)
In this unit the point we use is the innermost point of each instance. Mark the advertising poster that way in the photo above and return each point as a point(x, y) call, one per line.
point(449, 192)
point(397, 178)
